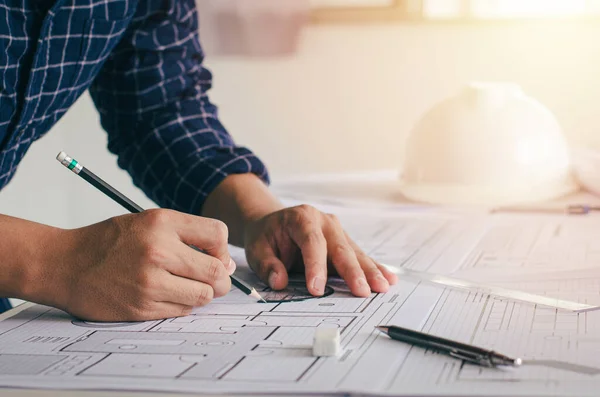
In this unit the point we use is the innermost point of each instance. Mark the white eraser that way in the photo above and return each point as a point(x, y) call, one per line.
point(326, 342)
point(61, 156)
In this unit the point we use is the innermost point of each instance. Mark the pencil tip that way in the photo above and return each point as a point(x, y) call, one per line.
point(256, 295)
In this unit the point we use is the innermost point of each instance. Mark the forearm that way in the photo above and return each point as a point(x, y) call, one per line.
point(238, 200)
point(30, 261)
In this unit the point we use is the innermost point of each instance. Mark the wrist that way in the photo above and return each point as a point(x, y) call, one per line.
point(257, 209)
point(239, 201)
point(46, 278)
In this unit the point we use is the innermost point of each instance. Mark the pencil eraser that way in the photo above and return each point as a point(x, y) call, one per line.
point(326, 342)
point(61, 156)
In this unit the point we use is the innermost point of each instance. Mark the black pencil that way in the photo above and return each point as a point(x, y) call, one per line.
point(120, 198)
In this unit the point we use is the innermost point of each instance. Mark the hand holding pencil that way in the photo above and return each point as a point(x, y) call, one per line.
point(277, 240)
point(139, 267)
point(148, 265)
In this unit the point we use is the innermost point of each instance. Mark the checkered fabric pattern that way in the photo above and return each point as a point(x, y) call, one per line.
point(142, 63)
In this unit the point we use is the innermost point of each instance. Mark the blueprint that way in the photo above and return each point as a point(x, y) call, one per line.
point(236, 345)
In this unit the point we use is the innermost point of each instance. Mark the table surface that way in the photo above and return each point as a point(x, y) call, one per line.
point(363, 187)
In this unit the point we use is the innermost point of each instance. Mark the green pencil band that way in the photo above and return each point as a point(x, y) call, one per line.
point(69, 162)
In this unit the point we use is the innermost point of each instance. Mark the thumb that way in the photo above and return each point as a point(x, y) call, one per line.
point(262, 259)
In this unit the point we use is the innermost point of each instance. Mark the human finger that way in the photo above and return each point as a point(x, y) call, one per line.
point(391, 277)
point(162, 310)
point(344, 259)
point(380, 278)
point(304, 227)
point(202, 268)
point(186, 292)
point(208, 235)
point(265, 263)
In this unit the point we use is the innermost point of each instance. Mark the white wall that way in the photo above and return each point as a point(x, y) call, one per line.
point(345, 102)
point(349, 98)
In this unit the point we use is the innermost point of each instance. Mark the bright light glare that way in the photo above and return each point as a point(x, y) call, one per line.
point(527, 8)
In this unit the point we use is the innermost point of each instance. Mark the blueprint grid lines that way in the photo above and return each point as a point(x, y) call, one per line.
point(237, 345)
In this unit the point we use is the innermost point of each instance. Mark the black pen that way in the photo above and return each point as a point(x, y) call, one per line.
point(120, 198)
point(462, 351)
point(575, 209)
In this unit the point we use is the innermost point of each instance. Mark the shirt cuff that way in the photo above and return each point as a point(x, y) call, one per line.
point(198, 175)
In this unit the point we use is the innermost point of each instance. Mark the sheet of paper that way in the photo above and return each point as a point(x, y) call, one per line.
point(555, 256)
point(236, 345)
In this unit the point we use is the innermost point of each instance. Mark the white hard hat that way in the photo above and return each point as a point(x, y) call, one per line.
point(489, 145)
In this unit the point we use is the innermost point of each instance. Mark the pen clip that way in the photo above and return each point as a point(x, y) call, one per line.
point(471, 357)
point(578, 209)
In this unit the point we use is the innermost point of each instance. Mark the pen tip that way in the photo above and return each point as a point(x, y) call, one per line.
point(382, 328)
point(518, 362)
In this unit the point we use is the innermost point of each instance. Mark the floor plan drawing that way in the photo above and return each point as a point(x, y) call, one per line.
point(230, 342)
point(238, 345)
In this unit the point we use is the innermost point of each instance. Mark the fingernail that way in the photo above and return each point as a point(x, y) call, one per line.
point(362, 285)
point(232, 266)
point(319, 285)
point(272, 279)
point(382, 280)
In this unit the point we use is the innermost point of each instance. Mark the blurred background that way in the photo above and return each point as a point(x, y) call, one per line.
point(335, 86)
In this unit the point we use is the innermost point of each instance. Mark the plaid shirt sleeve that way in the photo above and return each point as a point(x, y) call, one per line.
point(152, 98)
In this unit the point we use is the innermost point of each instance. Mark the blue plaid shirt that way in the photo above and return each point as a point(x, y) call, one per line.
point(142, 63)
